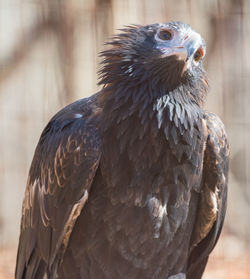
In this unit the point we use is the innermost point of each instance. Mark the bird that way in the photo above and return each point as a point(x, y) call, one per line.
point(130, 182)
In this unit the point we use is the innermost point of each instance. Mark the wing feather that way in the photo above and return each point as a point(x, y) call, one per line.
point(213, 197)
point(60, 177)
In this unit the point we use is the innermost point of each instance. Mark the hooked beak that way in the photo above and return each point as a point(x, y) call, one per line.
point(192, 43)
point(185, 49)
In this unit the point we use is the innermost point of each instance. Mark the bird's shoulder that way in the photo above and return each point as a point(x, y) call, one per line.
point(84, 110)
point(69, 128)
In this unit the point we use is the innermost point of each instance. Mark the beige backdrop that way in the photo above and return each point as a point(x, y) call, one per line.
point(49, 58)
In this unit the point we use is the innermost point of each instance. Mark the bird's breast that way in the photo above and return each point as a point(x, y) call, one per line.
point(142, 206)
point(148, 179)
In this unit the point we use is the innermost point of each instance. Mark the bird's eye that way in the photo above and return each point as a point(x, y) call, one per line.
point(165, 34)
point(198, 54)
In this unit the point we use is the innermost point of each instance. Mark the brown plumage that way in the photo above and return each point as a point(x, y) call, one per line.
point(131, 182)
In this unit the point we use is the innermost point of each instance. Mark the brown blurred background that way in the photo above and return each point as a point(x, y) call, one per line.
point(49, 58)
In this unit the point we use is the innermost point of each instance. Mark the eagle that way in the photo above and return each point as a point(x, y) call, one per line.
point(130, 182)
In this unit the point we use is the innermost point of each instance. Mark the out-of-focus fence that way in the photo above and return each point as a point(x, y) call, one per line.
point(49, 58)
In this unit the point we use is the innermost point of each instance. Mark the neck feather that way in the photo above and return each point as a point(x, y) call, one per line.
point(136, 112)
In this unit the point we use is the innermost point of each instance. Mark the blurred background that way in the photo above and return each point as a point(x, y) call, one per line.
point(49, 58)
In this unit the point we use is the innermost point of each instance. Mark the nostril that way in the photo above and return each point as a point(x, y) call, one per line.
point(186, 37)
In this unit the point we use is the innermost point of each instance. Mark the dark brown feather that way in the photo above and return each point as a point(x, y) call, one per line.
point(57, 188)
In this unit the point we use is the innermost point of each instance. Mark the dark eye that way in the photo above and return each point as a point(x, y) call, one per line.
point(198, 54)
point(165, 34)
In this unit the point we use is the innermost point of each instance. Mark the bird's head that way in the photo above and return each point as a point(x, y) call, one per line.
point(168, 55)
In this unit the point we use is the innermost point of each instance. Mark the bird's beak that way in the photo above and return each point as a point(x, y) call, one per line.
point(191, 43)
point(185, 48)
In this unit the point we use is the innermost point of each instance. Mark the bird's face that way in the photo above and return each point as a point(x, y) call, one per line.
point(168, 54)
point(181, 41)
point(172, 50)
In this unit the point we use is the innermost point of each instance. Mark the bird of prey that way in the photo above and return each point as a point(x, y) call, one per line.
point(132, 181)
